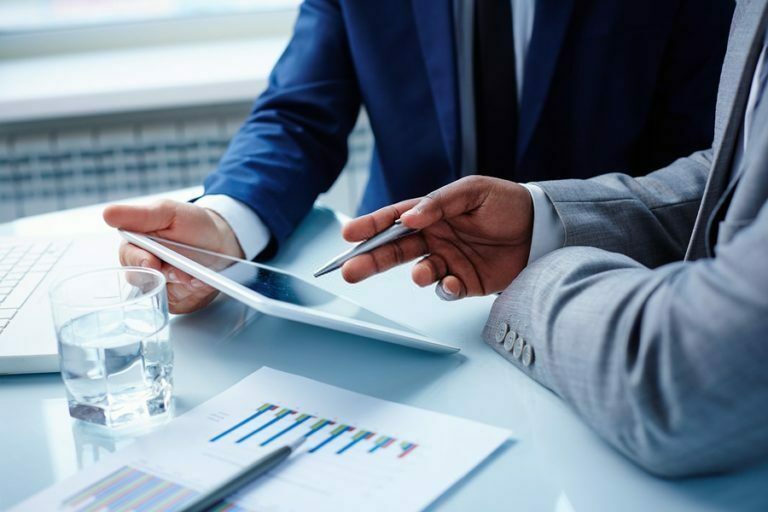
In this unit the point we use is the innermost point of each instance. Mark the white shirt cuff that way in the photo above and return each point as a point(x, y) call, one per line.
point(548, 230)
point(250, 231)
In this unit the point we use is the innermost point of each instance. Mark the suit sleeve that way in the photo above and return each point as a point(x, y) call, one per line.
point(293, 145)
point(667, 364)
point(650, 219)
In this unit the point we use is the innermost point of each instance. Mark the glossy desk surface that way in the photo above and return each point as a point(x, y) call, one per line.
point(556, 464)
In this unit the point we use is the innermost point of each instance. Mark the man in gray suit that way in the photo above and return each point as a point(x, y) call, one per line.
point(643, 302)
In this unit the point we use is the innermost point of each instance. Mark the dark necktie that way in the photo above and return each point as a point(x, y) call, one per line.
point(495, 88)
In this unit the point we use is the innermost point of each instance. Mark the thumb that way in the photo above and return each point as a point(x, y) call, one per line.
point(143, 219)
point(450, 201)
point(451, 288)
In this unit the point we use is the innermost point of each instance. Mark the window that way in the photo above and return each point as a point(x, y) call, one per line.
point(36, 15)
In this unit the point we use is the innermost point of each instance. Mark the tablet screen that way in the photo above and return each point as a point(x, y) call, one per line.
point(280, 286)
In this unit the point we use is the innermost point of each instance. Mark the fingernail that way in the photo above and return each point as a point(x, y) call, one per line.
point(177, 295)
point(444, 293)
point(144, 263)
point(172, 277)
point(196, 283)
point(413, 211)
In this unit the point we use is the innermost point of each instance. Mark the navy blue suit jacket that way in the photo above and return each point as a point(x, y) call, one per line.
point(625, 85)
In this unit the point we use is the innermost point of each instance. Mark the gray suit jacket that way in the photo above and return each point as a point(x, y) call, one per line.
point(653, 321)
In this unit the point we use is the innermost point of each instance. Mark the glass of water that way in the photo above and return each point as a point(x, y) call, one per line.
point(114, 345)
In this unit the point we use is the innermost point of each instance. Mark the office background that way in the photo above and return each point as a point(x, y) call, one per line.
point(118, 98)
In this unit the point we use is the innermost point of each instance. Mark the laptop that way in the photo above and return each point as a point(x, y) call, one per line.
point(28, 266)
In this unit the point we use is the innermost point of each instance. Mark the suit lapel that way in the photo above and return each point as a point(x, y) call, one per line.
point(550, 26)
point(744, 49)
point(434, 24)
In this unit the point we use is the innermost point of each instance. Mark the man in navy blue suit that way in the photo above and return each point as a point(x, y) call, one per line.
point(519, 89)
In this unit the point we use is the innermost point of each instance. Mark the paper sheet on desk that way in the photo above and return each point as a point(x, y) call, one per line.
point(361, 453)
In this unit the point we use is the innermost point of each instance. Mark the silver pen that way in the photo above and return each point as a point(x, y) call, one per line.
point(242, 478)
point(395, 231)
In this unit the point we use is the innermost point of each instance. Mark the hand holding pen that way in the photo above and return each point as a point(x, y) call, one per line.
point(473, 235)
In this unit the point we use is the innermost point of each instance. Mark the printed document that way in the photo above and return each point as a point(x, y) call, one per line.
point(360, 453)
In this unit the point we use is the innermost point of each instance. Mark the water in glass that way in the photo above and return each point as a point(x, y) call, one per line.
point(117, 365)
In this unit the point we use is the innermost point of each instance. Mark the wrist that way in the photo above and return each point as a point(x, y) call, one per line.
point(228, 243)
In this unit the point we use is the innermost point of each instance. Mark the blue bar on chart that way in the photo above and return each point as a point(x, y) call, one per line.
point(301, 418)
point(134, 490)
point(282, 413)
point(261, 410)
point(334, 434)
point(318, 426)
point(407, 448)
point(382, 442)
point(363, 434)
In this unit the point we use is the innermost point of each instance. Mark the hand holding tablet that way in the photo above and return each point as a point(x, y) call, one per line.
point(279, 293)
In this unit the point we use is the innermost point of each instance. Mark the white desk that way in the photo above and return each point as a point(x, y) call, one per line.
point(557, 465)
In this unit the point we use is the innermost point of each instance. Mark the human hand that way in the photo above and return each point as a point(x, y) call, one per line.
point(180, 222)
point(475, 233)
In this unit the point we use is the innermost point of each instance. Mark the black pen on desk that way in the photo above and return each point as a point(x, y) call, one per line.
point(242, 478)
point(394, 232)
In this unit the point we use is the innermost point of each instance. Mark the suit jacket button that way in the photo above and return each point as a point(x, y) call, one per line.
point(509, 341)
point(528, 356)
point(519, 346)
point(501, 332)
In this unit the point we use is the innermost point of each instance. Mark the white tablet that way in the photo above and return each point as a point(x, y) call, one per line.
point(282, 294)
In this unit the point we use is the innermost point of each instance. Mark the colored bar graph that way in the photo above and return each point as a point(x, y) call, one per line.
point(160, 492)
point(382, 442)
point(318, 426)
point(308, 425)
point(334, 434)
point(261, 410)
point(129, 489)
point(121, 474)
point(299, 420)
point(280, 415)
point(407, 448)
point(363, 434)
point(172, 502)
point(142, 486)
point(115, 497)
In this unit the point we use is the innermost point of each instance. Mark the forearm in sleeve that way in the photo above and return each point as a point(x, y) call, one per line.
point(649, 219)
point(665, 364)
point(293, 145)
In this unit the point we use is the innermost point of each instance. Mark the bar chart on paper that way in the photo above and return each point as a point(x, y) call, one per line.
point(134, 490)
point(270, 424)
point(358, 453)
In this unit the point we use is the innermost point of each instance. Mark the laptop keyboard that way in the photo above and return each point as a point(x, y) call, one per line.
point(22, 267)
